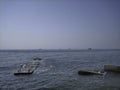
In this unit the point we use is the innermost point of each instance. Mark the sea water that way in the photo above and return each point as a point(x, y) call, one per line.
point(58, 70)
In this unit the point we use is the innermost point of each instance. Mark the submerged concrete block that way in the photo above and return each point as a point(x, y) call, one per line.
point(112, 68)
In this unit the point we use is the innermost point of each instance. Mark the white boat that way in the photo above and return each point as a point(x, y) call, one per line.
point(28, 68)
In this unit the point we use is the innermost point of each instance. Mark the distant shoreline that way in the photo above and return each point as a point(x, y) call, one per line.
point(55, 50)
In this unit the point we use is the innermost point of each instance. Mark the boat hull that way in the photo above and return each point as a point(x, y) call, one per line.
point(23, 73)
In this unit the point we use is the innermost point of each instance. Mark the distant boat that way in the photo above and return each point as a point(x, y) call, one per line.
point(37, 58)
point(89, 48)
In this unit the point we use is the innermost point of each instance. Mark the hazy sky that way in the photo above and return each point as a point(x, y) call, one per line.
point(51, 24)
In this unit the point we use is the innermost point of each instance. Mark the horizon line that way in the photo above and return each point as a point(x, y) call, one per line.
point(67, 49)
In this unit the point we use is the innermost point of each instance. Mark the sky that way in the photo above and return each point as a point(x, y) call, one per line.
point(59, 24)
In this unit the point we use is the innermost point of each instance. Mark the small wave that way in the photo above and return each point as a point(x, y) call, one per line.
point(43, 69)
point(47, 88)
point(4, 68)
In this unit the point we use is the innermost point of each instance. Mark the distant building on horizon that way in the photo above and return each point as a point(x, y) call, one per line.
point(89, 48)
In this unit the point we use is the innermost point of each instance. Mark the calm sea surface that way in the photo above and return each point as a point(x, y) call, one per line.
point(58, 70)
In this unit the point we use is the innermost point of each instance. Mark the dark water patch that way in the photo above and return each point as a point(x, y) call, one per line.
point(106, 88)
point(47, 88)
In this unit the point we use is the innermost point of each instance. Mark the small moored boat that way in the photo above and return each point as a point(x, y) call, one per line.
point(28, 68)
